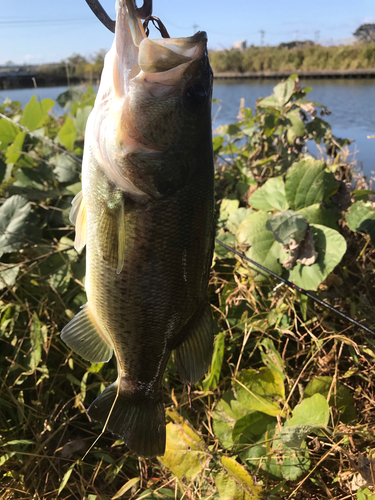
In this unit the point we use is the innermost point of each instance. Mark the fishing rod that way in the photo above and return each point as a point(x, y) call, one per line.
point(299, 289)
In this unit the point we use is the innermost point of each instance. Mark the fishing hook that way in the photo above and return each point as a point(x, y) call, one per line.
point(141, 12)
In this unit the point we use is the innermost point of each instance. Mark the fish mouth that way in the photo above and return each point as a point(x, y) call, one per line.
point(138, 56)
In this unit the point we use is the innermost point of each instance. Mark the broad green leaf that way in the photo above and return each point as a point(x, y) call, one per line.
point(67, 98)
point(236, 217)
point(217, 142)
point(365, 493)
point(319, 214)
point(331, 247)
point(269, 457)
point(227, 412)
point(308, 182)
point(228, 239)
point(283, 91)
point(61, 279)
point(14, 150)
point(361, 217)
point(185, 453)
point(341, 398)
point(249, 429)
point(263, 248)
point(286, 226)
point(8, 276)
point(270, 196)
point(8, 132)
point(311, 413)
point(235, 483)
point(362, 194)
point(67, 134)
point(227, 207)
point(261, 391)
point(271, 357)
point(14, 214)
point(80, 120)
point(66, 169)
point(211, 381)
point(296, 128)
point(35, 113)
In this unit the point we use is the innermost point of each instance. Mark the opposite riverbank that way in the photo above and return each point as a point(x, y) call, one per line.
point(313, 61)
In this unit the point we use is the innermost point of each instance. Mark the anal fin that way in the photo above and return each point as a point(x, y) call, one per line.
point(193, 356)
point(82, 335)
point(78, 217)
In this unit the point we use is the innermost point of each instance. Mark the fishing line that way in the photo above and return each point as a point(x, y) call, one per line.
point(299, 289)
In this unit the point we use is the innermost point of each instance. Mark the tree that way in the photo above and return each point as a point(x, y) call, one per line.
point(365, 33)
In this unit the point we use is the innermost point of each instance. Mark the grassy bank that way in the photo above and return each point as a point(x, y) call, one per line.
point(287, 410)
point(316, 57)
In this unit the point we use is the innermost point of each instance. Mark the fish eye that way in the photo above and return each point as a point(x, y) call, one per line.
point(195, 95)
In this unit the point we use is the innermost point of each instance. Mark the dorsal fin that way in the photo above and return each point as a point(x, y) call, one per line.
point(78, 217)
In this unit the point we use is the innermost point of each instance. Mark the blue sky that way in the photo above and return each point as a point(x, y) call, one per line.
point(42, 31)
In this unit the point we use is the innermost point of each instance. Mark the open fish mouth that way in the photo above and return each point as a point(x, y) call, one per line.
point(137, 55)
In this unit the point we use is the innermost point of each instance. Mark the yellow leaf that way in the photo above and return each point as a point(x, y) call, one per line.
point(127, 486)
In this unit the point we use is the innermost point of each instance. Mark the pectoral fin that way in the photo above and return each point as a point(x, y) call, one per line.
point(193, 356)
point(112, 229)
point(78, 217)
point(83, 336)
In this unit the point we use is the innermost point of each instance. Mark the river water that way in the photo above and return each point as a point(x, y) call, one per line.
point(351, 101)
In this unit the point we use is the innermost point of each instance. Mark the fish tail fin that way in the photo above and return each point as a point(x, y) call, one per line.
point(138, 419)
point(193, 356)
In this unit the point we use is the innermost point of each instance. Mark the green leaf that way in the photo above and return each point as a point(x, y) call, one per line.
point(67, 134)
point(331, 247)
point(236, 217)
point(365, 494)
point(282, 94)
point(230, 240)
point(235, 483)
point(80, 120)
point(227, 207)
point(271, 357)
point(14, 151)
point(264, 249)
point(296, 128)
point(14, 214)
point(227, 412)
point(211, 381)
point(66, 169)
point(362, 194)
point(8, 276)
point(36, 343)
point(286, 226)
point(185, 453)
point(217, 142)
point(8, 133)
point(67, 98)
point(312, 413)
point(270, 196)
point(249, 429)
point(340, 398)
point(308, 182)
point(127, 486)
point(319, 214)
point(361, 217)
point(66, 477)
point(35, 113)
point(261, 391)
point(61, 279)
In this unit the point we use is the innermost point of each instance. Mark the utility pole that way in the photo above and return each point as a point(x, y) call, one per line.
point(262, 34)
point(195, 28)
point(296, 34)
point(317, 35)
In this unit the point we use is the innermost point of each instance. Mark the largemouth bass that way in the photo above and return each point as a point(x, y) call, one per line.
point(145, 214)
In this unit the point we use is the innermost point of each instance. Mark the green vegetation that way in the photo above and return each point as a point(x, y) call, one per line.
point(287, 409)
point(315, 57)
